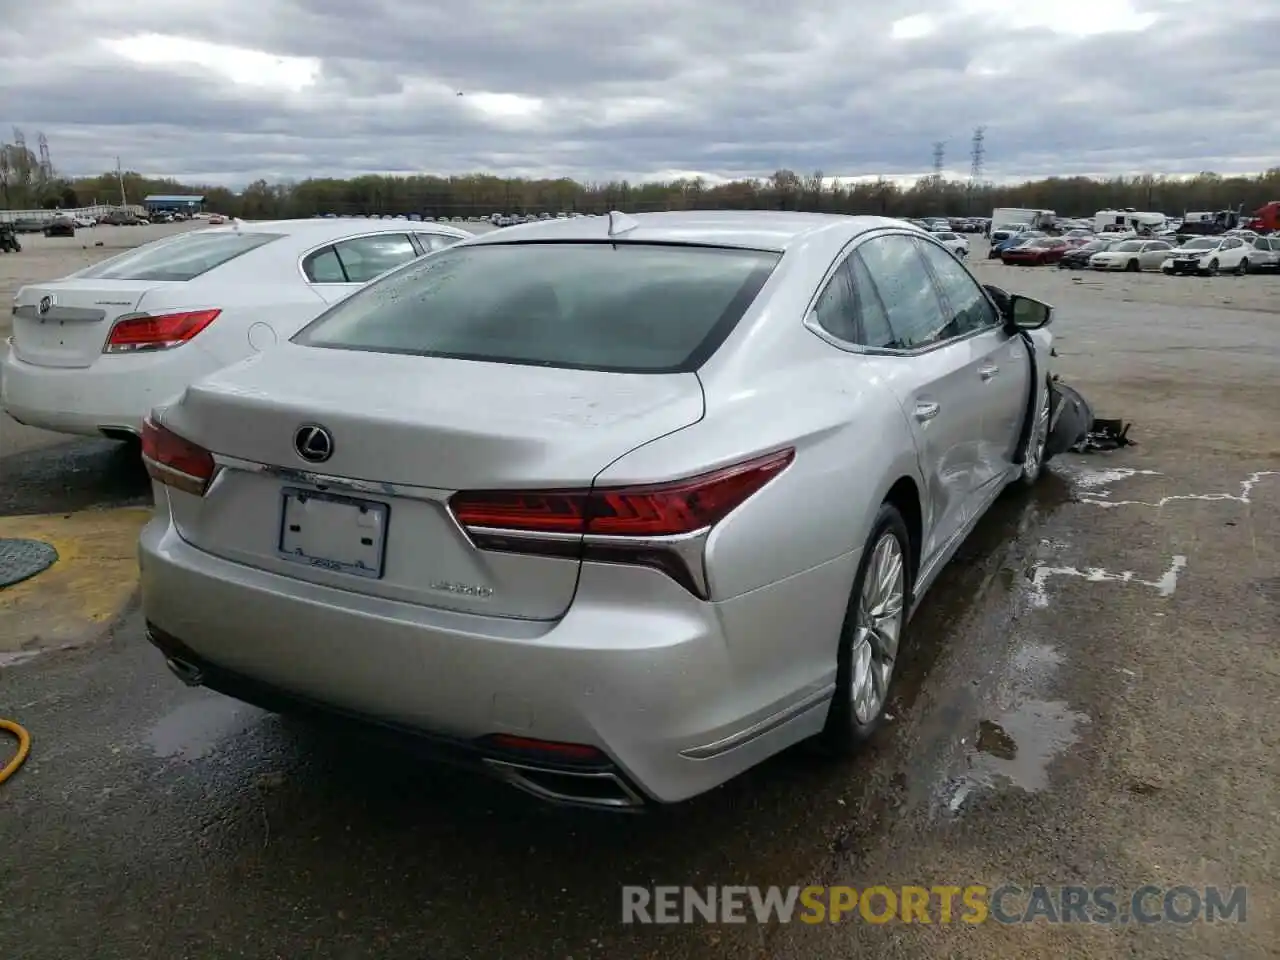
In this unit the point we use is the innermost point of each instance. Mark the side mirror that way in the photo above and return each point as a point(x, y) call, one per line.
point(1027, 314)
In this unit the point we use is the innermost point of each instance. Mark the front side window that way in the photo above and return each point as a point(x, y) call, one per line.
point(624, 307)
point(970, 309)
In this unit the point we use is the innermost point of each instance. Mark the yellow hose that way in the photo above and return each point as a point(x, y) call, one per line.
point(24, 748)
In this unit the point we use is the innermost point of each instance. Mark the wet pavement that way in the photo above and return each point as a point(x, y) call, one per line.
point(1077, 706)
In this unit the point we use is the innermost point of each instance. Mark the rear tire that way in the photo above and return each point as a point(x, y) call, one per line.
point(872, 634)
point(1243, 268)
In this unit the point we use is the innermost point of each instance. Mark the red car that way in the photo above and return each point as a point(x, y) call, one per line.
point(1037, 252)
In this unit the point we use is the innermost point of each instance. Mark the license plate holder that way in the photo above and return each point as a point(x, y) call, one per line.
point(331, 532)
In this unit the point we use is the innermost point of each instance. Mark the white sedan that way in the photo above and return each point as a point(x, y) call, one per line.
point(953, 242)
point(92, 353)
point(1132, 255)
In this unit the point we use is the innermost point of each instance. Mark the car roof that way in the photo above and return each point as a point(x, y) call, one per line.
point(772, 230)
point(320, 230)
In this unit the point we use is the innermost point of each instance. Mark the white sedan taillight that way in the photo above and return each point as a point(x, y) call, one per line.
point(138, 334)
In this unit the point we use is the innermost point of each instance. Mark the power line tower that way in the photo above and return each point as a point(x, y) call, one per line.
point(977, 155)
point(21, 160)
point(939, 157)
point(46, 165)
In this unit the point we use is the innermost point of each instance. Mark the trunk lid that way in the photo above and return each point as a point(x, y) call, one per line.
point(406, 433)
point(64, 323)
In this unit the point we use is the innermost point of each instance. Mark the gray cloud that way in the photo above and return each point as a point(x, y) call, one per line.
point(637, 88)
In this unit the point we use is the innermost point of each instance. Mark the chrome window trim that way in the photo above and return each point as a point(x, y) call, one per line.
point(399, 228)
point(851, 247)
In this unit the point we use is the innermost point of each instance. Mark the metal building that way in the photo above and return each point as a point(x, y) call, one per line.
point(182, 203)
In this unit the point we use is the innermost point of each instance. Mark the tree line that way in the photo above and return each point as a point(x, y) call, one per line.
point(482, 194)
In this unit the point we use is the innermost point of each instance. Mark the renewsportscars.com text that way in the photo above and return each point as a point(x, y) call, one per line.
point(969, 904)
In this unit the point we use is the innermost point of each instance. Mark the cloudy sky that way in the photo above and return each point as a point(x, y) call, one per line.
point(232, 90)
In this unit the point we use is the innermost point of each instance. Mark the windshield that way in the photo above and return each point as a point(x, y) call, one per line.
point(1129, 246)
point(177, 258)
point(1094, 246)
point(625, 307)
point(1041, 243)
point(1204, 244)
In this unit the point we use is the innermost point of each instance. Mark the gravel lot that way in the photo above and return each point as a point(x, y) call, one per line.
point(1088, 698)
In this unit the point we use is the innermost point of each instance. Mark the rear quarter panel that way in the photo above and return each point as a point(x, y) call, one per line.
point(852, 444)
point(255, 315)
point(781, 567)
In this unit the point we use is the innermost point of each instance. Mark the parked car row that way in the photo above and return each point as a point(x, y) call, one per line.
point(547, 498)
point(1236, 252)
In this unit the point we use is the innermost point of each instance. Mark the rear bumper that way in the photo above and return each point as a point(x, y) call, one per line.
point(111, 397)
point(637, 668)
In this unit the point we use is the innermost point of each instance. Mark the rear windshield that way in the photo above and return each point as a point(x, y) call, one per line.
point(625, 307)
point(177, 258)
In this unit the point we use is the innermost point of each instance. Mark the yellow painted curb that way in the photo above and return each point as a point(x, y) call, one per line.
point(93, 580)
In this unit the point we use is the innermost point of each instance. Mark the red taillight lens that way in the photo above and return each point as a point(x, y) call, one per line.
point(135, 334)
point(174, 461)
point(660, 510)
point(627, 525)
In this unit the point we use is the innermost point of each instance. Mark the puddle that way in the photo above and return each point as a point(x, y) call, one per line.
point(1015, 751)
point(195, 729)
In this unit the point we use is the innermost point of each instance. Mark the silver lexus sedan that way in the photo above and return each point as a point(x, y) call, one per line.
point(614, 507)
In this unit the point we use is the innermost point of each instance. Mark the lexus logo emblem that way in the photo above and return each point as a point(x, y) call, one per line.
point(46, 304)
point(313, 442)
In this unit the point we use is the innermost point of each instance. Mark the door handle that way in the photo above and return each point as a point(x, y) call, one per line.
point(989, 371)
point(927, 410)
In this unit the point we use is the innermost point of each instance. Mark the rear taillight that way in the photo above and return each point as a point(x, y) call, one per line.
point(163, 332)
point(639, 525)
point(174, 461)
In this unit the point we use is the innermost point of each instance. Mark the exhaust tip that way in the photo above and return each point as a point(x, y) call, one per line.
point(600, 789)
point(188, 673)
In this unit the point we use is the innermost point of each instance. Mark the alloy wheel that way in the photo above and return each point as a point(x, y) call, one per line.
point(878, 628)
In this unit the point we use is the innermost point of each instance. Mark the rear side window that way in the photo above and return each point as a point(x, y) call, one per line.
point(836, 309)
point(364, 258)
point(625, 307)
point(323, 266)
point(178, 258)
point(907, 291)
